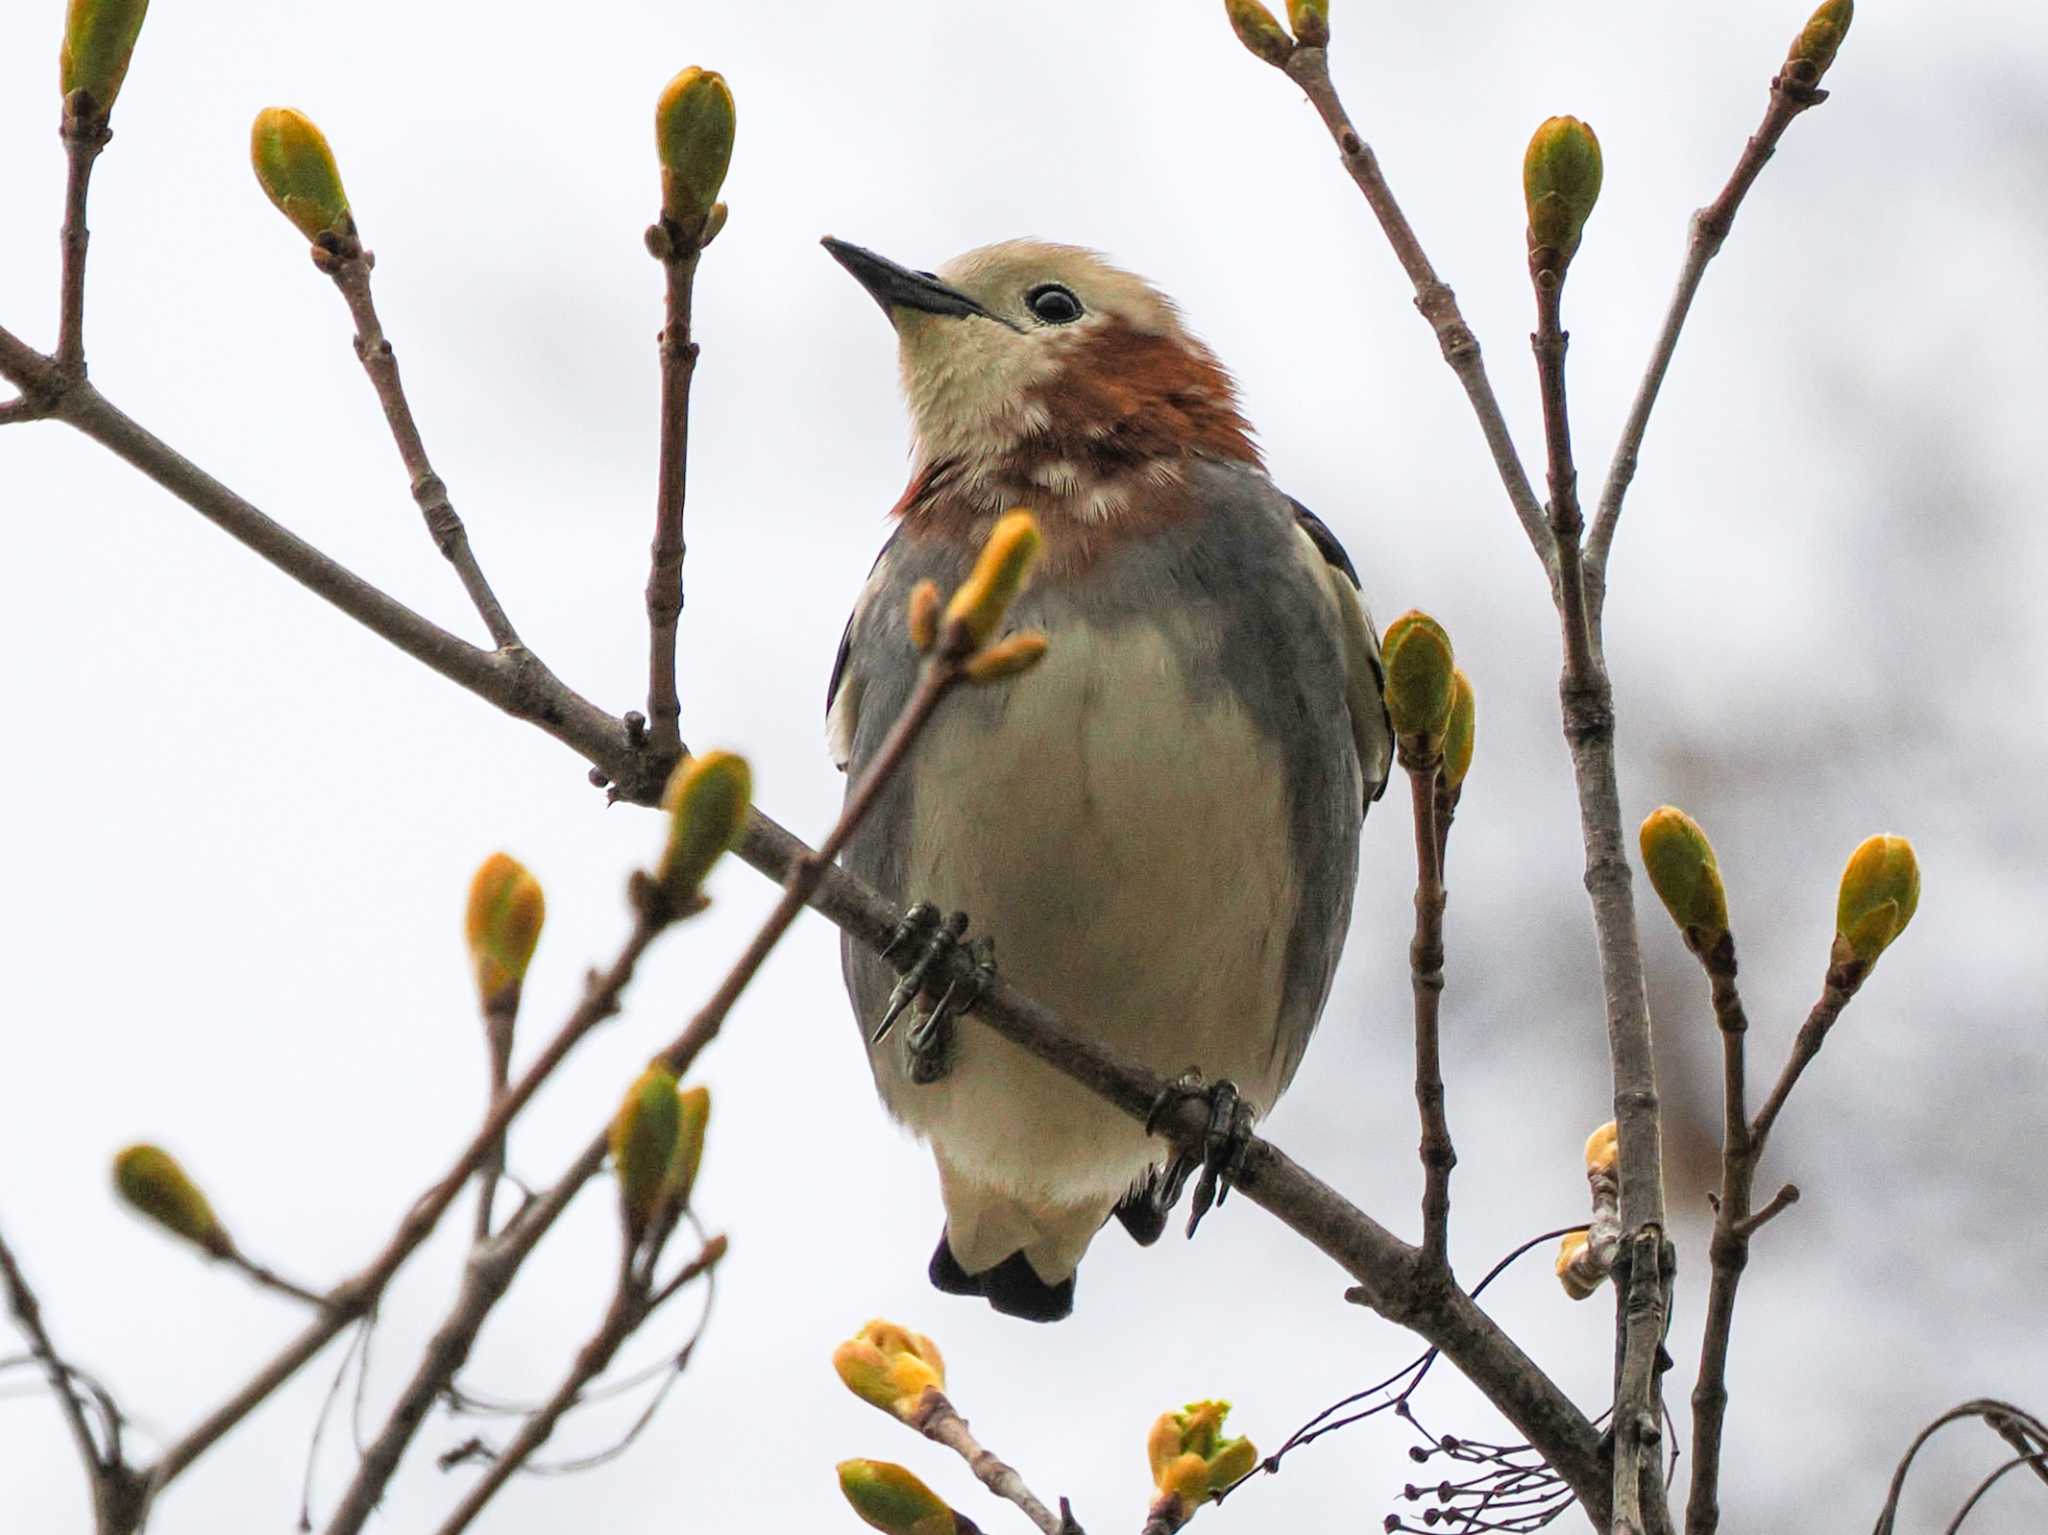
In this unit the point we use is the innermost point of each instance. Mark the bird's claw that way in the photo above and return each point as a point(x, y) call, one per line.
point(929, 1043)
point(920, 941)
point(1223, 1144)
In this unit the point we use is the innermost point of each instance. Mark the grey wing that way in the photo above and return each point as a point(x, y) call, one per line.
point(1365, 682)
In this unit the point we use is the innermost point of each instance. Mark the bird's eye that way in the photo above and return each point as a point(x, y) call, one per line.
point(1053, 304)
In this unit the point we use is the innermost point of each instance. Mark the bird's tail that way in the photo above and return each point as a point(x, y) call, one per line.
point(1018, 1252)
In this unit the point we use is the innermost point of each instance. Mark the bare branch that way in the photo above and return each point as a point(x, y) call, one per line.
point(1426, 979)
point(939, 1421)
point(1841, 984)
point(85, 133)
point(349, 265)
point(1710, 226)
point(1772, 1208)
point(500, 1014)
point(270, 1279)
point(2018, 1427)
point(631, 1304)
point(1587, 697)
point(120, 1496)
point(679, 256)
point(1309, 68)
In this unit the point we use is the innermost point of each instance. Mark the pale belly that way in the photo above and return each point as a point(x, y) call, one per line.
point(1128, 848)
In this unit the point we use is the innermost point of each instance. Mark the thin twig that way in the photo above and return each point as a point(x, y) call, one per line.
point(938, 1420)
point(358, 1296)
point(501, 1012)
point(85, 133)
point(120, 1496)
point(1709, 229)
point(1728, 1249)
point(1587, 698)
point(270, 1279)
point(1426, 980)
point(679, 257)
point(2039, 1464)
point(1836, 991)
point(1309, 68)
point(493, 1265)
point(350, 268)
point(2013, 1424)
point(631, 1304)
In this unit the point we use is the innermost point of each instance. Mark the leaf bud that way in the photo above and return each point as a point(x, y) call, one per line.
point(1578, 1270)
point(1008, 658)
point(151, 1182)
point(693, 132)
point(1683, 871)
point(706, 799)
point(1189, 1456)
point(1421, 680)
point(1561, 181)
point(890, 1367)
point(1002, 571)
point(506, 910)
point(298, 173)
point(921, 614)
point(889, 1498)
point(1603, 1147)
point(99, 40)
point(1459, 733)
point(1311, 22)
point(1880, 892)
point(1260, 31)
point(693, 1105)
point(643, 1144)
point(1814, 49)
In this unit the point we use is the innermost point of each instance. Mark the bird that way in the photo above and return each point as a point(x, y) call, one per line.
point(1157, 826)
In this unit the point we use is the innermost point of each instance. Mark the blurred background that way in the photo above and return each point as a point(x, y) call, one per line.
point(239, 829)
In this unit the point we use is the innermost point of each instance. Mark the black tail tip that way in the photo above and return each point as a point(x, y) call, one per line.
point(1012, 1286)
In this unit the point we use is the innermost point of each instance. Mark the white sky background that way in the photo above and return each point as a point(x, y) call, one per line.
point(238, 829)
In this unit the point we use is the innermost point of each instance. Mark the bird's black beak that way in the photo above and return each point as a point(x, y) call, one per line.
point(895, 287)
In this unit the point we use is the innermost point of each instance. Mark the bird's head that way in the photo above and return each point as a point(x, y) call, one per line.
point(1035, 370)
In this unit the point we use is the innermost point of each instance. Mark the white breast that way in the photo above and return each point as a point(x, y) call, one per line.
point(1127, 844)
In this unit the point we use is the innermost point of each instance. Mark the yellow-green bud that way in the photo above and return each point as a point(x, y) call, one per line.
point(1575, 1270)
point(706, 800)
point(1421, 677)
point(1814, 49)
point(643, 1143)
point(694, 1108)
point(99, 40)
point(1460, 732)
point(297, 171)
point(693, 131)
point(1561, 180)
point(1259, 30)
point(1005, 567)
point(1880, 892)
point(922, 615)
point(1010, 658)
point(150, 1180)
point(1603, 1148)
point(890, 1499)
point(1311, 22)
point(1682, 869)
point(506, 909)
point(890, 1367)
point(1189, 1456)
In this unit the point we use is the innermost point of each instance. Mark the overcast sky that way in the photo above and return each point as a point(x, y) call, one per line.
point(238, 829)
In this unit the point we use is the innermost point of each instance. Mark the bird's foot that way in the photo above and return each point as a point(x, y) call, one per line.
point(1223, 1145)
point(928, 1044)
point(921, 946)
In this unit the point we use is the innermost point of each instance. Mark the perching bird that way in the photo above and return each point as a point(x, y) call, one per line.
point(1158, 825)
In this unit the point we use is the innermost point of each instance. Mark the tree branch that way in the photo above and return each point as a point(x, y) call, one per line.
point(1309, 68)
point(1708, 231)
point(85, 133)
point(1587, 699)
point(679, 257)
point(349, 265)
point(939, 1421)
point(1426, 980)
